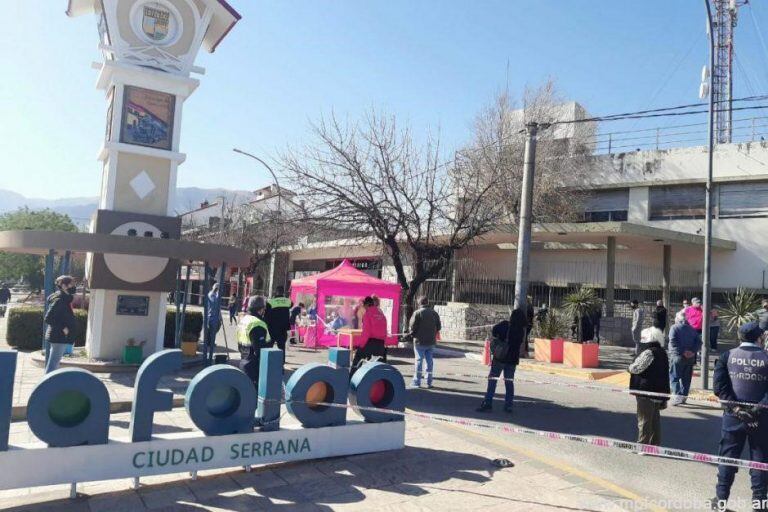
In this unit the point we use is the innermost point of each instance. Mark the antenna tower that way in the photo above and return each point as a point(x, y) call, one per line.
point(724, 24)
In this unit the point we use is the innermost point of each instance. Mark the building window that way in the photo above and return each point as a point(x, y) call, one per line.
point(606, 205)
point(676, 202)
point(743, 200)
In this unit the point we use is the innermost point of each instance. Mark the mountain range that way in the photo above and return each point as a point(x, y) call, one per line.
point(80, 209)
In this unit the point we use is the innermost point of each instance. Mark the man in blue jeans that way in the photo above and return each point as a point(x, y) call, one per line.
point(508, 337)
point(684, 344)
point(424, 328)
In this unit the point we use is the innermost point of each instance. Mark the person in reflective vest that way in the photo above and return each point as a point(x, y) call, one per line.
point(741, 375)
point(252, 336)
point(278, 318)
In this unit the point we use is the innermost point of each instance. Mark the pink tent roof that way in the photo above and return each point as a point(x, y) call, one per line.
point(344, 274)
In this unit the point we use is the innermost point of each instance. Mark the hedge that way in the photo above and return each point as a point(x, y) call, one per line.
point(193, 324)
point(25, 327)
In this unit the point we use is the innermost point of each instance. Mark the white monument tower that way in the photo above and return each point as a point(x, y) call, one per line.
point(149, 49)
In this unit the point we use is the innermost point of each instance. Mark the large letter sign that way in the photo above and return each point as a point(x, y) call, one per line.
point(240, 426)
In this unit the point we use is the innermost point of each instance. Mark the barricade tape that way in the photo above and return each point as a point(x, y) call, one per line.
point(593, 387)
point(602, 442)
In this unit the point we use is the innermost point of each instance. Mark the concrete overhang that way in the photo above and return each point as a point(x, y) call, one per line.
point(626, 233)
point(40, 242)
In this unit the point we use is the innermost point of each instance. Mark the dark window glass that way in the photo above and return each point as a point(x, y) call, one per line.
point(676, 202)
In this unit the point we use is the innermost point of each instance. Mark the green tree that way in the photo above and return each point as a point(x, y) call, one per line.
point(25, 266)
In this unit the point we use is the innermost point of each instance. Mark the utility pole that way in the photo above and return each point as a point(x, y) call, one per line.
point(526, 206)
point(708, 220)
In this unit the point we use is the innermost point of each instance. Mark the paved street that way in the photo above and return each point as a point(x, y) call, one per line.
point(442, 461)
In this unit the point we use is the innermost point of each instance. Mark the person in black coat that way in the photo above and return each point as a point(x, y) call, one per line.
point(660, 316)
point(508, 337)
point(59, 320)
point(650, 373)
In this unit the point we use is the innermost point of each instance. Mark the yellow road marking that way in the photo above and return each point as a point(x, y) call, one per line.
point(626, 493)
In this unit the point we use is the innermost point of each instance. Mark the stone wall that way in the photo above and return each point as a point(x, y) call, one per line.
point(458, 318)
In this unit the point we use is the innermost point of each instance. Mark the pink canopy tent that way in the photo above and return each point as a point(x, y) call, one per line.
point(339, 290)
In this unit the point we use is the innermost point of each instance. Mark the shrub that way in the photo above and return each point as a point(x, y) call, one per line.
point(554, 325)
point(193, 326)
point(739, 309)
point(25, 327)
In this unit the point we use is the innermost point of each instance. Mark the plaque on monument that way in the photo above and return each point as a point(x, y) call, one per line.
point(133, 305)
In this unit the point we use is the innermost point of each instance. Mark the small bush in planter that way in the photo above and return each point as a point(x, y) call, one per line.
point(193, 323)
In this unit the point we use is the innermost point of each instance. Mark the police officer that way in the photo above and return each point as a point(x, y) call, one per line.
point(278, 318)
point(741, 375)
point(252, 336)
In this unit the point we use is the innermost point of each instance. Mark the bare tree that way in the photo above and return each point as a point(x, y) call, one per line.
point(371, 179)
point(259, 229)
point(497, 148)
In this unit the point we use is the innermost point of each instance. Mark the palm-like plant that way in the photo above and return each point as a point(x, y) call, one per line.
point(554, 325)
point(580, 304)
point(739, 309)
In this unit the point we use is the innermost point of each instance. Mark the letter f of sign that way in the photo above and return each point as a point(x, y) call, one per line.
point(147, 399)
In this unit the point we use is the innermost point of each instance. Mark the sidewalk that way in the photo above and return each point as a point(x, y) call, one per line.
point(440, 469)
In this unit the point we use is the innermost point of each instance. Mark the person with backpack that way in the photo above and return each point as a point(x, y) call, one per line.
point(507, 336)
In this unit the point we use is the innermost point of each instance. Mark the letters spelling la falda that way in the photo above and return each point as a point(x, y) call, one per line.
point(69, 411)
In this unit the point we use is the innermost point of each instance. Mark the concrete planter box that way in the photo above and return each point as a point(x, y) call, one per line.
point(548, 351)
point(581, 355)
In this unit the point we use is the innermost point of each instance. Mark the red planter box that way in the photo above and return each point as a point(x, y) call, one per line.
point(581, 355)
point(548, 351)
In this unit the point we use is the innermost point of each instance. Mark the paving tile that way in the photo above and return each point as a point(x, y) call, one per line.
point(164, 496)
point(116, 502)
point(257, 480)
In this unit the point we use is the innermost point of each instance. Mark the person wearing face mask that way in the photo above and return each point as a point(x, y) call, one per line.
point(59, 320)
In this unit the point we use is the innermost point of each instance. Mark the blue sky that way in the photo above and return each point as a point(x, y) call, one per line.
point(433, 63)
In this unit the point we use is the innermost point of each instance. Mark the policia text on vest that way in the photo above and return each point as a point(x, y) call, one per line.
point(741, 375)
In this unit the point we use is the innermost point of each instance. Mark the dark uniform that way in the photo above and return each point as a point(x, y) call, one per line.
point(741, 375)
point(278, 318)
point(252, 336)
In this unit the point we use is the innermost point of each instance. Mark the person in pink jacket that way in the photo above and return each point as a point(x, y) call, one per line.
point(373, 336)
point(695, 314)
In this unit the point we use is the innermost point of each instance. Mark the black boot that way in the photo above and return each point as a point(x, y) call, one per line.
point(484, 407)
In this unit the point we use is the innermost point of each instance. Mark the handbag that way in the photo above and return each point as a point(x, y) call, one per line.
point(500, 349)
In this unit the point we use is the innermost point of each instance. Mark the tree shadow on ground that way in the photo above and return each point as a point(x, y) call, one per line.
point(394, 477)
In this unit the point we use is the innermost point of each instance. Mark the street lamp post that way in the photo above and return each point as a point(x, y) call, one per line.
point(708, 222)
point(273, 256)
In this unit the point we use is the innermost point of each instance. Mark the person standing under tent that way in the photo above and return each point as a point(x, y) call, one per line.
point(232, 306)
point(649, 372)
point(508, 336)
point(278, 318)
point(213, 321)
point(374, 335)
point(59, 320)
point(741, 375)
point(293, 320)
point(252, 336)
point(684, 344)
point(424, 327)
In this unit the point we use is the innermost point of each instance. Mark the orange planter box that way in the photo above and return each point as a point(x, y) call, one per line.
point(581, 355)
point(548, 351)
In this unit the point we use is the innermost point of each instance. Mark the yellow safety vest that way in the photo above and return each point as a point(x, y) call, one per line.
point(279, 302)
point(246, 325)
